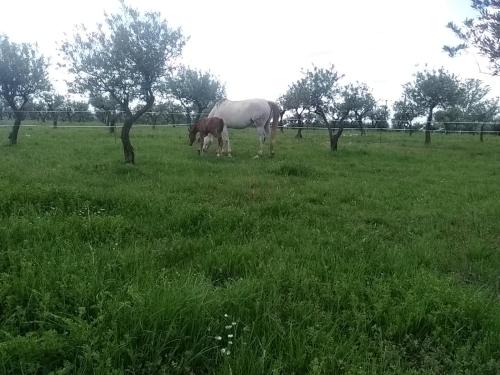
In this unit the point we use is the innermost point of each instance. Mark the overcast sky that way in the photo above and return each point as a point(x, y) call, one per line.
point(258, 47)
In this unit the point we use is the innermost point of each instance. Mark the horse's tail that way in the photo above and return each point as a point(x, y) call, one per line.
point(275, 114)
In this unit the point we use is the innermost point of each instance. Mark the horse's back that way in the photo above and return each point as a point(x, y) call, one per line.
point(242, 113)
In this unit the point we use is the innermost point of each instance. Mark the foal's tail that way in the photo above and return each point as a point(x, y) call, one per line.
point(275, 114)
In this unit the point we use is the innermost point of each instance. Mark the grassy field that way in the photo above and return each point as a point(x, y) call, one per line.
point(381, 259)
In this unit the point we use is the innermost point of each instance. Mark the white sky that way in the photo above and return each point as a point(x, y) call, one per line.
point(258, 47)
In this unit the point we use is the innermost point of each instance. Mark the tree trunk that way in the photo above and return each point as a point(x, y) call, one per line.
point(282, 112)
point(299, 133)
point(361, 127)
point(334, 138)
point(128, 150)
point(481, 133)
point(428, 127)
point(112, 123)
point(15, 131)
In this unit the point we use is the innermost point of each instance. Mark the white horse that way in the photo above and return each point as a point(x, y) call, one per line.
point(244, 113)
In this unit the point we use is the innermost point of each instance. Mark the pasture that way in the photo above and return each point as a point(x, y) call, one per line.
point(381, 259)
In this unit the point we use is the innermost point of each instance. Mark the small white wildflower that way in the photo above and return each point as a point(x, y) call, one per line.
point(233, 323)
point(223, 350)
point(229, 327)
point(230, 336)
point(230, 342)
point(226, 316)
point(228, 352)
point(218, 338)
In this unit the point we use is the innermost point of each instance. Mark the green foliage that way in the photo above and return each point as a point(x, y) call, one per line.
point(473, 106)
point(432, 89)
point(23, 73)
point(482, 33)
point(195, 90)
point(405, 111)
point(378, 260)
point(358, 102)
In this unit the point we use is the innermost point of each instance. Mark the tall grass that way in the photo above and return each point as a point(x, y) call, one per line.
point(380, 259)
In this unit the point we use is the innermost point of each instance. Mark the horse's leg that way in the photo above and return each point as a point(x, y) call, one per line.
point(220, 144)
point(225, 137)
point(261, 133)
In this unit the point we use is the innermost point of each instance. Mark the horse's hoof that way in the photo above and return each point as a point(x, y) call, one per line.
point(256, 156)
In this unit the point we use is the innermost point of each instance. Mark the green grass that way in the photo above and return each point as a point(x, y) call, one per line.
point(381, 259)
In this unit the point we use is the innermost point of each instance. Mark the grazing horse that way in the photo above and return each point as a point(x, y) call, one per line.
point(207, 128)
point(244, 113)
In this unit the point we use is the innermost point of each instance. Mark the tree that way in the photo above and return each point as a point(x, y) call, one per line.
point(431, 90)
point(321, 92)
point(128, 59)
point(38, 110)
point(361, 102)
point(405, 111)
point(473, 107)
point(295, 99)
point(195, 90)
point(23, 75)
point(54, 104)
point(482, 32)
point(108, 109)
point(379, 116)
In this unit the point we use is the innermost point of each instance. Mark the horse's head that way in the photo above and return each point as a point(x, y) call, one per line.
point(192, 134)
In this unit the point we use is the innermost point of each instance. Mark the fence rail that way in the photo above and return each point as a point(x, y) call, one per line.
point(285, 127)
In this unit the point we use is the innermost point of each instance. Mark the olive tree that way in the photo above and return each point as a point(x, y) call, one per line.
point(195, 90)
point(108, 109)
point(296, 100)
point(481, 32)
point(405, 111)
point(322, 91)
point(126, 59)
point(431, 90)
point(361, 101)
point(473, 109)
point(23, 75)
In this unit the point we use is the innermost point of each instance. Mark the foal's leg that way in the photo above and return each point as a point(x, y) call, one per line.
point(200, 143)
point(206, 142)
